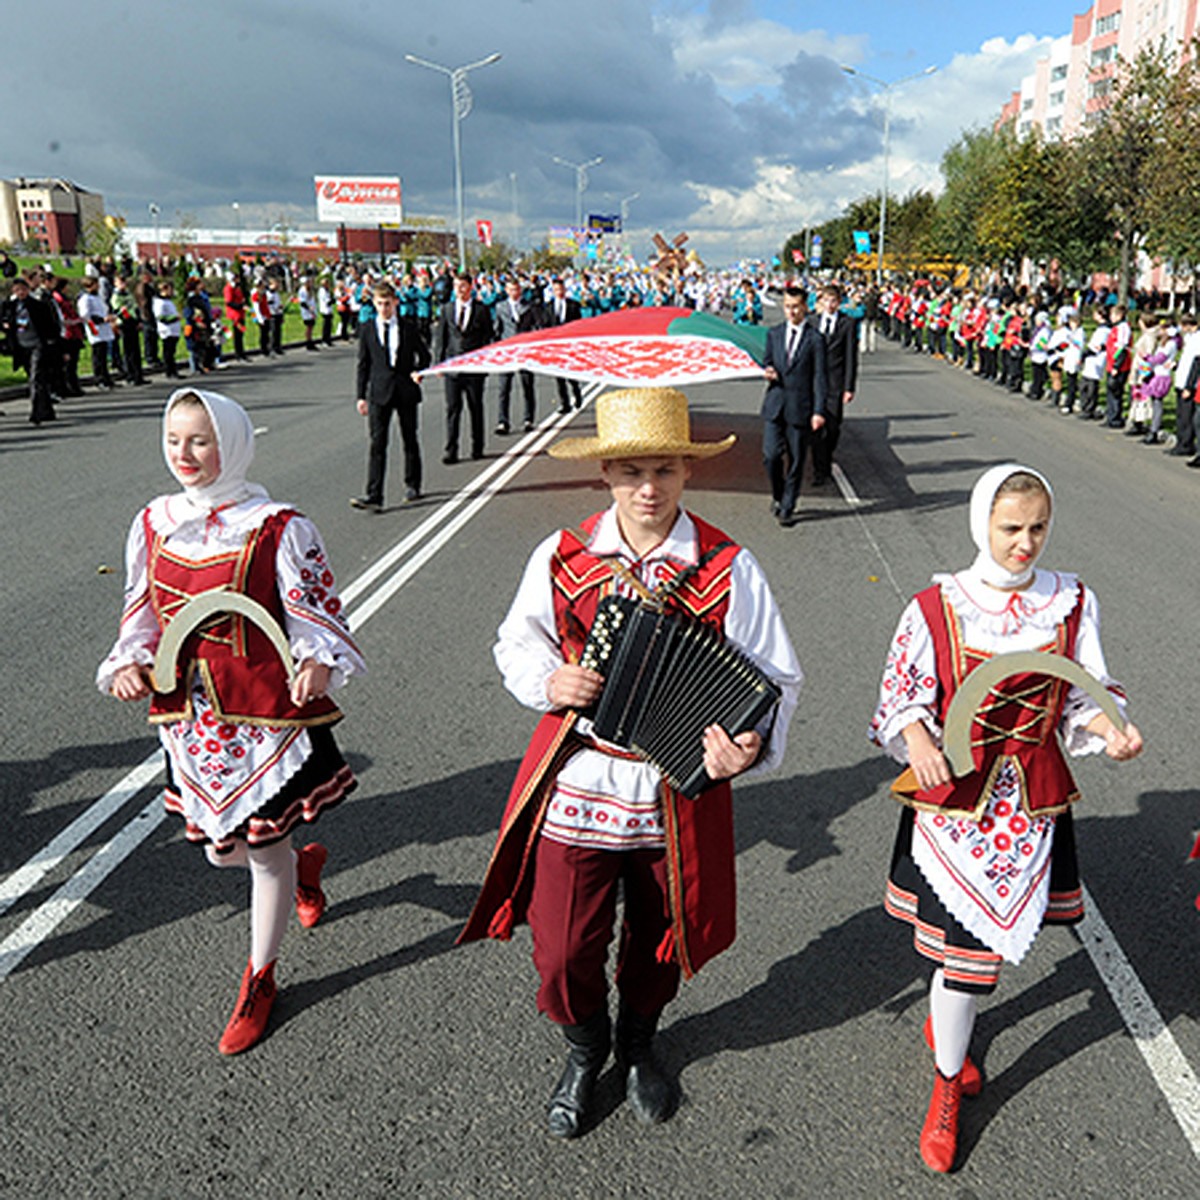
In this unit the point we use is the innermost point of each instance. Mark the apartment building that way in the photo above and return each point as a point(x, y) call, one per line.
point(49, 213)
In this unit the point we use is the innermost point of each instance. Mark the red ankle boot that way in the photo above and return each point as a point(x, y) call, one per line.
point(310, 900)
point(972, 1077)
point(250, 1013)
point(939, 1135)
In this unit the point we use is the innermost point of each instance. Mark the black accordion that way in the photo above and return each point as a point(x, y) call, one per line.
point(667, 677)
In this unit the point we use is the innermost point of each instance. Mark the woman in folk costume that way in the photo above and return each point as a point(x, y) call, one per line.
point(249, 754)
point(586, 819)
point(983, 860)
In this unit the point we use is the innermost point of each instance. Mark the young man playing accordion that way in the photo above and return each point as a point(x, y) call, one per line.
point(585, 817)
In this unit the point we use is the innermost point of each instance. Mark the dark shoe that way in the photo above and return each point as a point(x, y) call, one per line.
point(528, 426)
point(821, 479)
point(787, 519)
point(502, 429)
point(650, 1093)
point(476, 455)
point(366, 504)
point(1135, 431)
point(411, 494)
point(1114, 424)
point(449, 459)
point(1194, 462)
point(571, 1101)
point(1151, 439)
point(249, 1021)
point(1178, 451)
point(310, 899)
point(563, 409)
point(776, 508)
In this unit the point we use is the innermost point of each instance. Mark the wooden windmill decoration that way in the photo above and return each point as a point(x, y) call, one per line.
point(671, 261)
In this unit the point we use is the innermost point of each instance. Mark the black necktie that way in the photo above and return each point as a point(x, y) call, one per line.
point(462, 317)
point(792, 340)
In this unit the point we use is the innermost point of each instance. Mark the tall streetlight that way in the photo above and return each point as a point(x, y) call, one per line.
point(237, 216)
point(581, 170)
point(154, 211)
point(625, 203)
point(460, 104)
point(887, 89)
point(512, 179)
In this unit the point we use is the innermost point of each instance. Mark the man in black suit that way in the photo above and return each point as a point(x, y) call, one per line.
point(794, 407)
point(558, 310)
point(391, 355)
point(840, 335)
point(465, 325)
point(515, 315)
point(30, 329)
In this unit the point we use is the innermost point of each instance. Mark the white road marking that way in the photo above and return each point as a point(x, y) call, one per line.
point(49, 915)
point(1155, 1042)
point(1170, 1069)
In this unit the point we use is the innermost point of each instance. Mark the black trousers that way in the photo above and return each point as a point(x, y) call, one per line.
point(379, 423)
point(36, 361)
point(277, 334)
point(1114, 396)
point(131, 346)
point(784, 448)
point(564, 405)
point(506, 382)
point(168, 357)
point(824, 444)
point(460, 390)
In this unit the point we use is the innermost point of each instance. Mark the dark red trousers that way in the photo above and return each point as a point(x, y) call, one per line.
point(572, 910)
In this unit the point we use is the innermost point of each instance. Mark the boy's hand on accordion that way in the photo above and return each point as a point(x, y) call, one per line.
point(724, 756)
point(573, 686)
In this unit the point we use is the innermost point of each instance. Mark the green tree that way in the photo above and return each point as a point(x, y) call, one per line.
point(1122, 149)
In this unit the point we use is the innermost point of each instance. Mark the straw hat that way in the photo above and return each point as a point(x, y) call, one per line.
point(640, 423)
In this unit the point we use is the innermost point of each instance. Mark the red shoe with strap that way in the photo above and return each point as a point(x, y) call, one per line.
point(250, 1013)
point(972, 1077)
point(939, 1135)
point(310, 899)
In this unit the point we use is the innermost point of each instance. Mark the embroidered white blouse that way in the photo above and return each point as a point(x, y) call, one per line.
point(599, 800)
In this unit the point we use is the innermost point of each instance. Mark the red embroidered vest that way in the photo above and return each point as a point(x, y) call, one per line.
point(243, 676)
point(580, 579)
point(1018, 722)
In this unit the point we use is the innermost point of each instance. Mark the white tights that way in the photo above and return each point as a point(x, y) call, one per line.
point(953, 1020)
point(272, 892)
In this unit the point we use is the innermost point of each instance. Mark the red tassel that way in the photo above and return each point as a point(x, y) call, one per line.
point(501, 927)
point(1195, 848)
point(666, 948)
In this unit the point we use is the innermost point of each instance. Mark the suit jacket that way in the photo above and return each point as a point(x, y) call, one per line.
point(378, 382)
point(454, 341)
point(550, 314)
point(42, 320)
point(507, 326)
point(800, 391)
point(841, 360)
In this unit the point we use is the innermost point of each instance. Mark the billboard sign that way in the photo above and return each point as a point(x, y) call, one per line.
point(604, 222)
point(862, 242)
point(358, 199)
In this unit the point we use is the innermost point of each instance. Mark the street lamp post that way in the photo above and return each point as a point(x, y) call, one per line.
point(154, 211)
point(460, 104)
point(512, 179)
point(887, 89)
point(581, 181)
point(625, 216)
point(237, 256)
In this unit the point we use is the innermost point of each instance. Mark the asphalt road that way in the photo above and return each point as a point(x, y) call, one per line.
point(399, 1065)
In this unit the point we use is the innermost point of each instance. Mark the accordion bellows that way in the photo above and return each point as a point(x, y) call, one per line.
point(668, 677)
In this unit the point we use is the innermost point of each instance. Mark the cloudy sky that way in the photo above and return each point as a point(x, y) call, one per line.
point(730, 119)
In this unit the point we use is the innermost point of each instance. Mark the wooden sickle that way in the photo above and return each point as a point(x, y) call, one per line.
point(198, 611)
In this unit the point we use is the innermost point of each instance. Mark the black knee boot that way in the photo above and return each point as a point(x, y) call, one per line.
point(650, 1093)
point(571, 1101)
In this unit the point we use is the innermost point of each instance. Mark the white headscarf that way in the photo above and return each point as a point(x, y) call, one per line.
point(235, 444)
point(983, 497)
